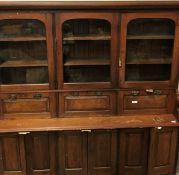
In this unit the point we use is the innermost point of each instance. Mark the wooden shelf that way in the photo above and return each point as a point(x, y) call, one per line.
point(14, 39)
point(133, 37)
point(87, 62)
point(87, 122)
point(87, 37)
point(151, 61)
point(24, 63)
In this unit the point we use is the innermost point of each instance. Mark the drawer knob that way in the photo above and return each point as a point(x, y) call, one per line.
point(135, 93)
point(98, 93)
point(75, 93)
point(157, 92)
point(37, 96)
point(12, 97)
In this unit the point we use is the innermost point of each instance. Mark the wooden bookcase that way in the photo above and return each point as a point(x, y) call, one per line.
point(89, 88)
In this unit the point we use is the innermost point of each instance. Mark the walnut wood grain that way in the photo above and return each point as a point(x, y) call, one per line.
point(90, 122)
point(87, 4)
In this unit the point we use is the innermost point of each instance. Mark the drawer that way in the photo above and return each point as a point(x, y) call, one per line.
point(142, 101)
point(87, 102)
point(25, 103)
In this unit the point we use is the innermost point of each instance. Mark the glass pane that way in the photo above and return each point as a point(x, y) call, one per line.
point(26, 75)
point(148, 72)
point(23, 52)
point(144, 26)
point(86, 50)
point(149, 46)
point(19, 28)
point(87, 74)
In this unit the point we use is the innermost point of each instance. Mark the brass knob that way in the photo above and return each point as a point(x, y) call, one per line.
point(157, 92)
point(135, 93)
point(37, 96)
point(12, 97)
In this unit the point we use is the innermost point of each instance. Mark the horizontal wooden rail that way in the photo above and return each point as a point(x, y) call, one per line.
point(76, 123)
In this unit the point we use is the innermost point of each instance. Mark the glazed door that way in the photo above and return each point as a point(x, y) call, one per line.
point(41, 153)
point(148, 54)
point(86, 49)
point(162, 153)
point(12, 155)
point(26, 56)
point(133, 151)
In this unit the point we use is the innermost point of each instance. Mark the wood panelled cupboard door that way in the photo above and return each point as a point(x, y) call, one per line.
point(41, 153)
point(72, 153)
point(162, 153)
point(102, 147)
point(12, 155)
point(133, 148)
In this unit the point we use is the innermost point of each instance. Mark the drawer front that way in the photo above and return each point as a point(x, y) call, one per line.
point(143, 102)
point(102, 102)
point(25, 103)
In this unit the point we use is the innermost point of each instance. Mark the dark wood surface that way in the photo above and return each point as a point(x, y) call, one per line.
point(90, 122)
point(89, 5)
point(41, 151)
point(100, 128)
point(162, 147)
point(133, 150)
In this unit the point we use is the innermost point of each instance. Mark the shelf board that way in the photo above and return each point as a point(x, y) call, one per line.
point(25, 38)
point(22, 63)
point(39, 123)
point(87, 37)
point(87, 62)
point(131, 37)
point(151, 61)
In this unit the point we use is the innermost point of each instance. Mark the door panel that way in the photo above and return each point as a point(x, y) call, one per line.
point(41, 153)
point(12, 155)
point(133, 149)
point(72, 152)
point(148, 52)
point(162, 153)
point(102, 152)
